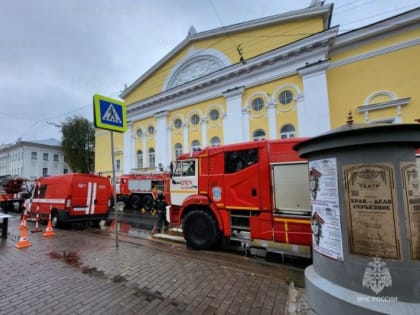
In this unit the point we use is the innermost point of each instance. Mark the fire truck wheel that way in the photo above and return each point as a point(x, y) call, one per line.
point(135, 202)
point(200, 230)
point(148, 203)
point(55, 222)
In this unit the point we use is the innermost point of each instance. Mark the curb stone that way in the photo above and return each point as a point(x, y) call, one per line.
point(296, 303)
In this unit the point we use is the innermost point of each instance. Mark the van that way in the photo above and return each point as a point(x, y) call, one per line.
point(70, 198)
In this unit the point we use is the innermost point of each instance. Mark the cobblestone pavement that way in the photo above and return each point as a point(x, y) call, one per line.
point(75, 272)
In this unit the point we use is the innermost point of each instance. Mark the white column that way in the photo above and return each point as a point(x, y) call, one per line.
point(313, 111)
point(272, 125)
point(170, 146)
point(203, 132)
point(161, 139)
point(245, 123)
point(143, 140)
point(232, 124)
point(128, 149)
point(186, 146)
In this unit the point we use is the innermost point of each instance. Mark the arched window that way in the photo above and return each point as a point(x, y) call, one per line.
point(195, 119)
point(214, 114)
point(177, 123)
point(195, 145)
point(285, 97)
point(257, 104)
point(139, 132)
point(215, 141)
point(151, 130)
point(139, 158)
point(287, 131)
point(258, 134)
point(152, 162)
point(178, 149)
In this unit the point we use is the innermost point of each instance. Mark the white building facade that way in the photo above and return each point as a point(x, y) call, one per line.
point(31, 160)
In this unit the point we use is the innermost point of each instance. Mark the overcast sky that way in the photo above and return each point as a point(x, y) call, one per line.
point(54, 55)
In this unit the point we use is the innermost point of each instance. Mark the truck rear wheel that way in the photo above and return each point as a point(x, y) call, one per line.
point(200, 230)
point(148, 203)
point(135, 202)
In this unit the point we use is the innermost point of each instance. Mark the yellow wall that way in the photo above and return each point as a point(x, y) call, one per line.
point(253, 43)
point(103, 153)
point(214, 128)
point(378, 43)
point(149, 138)
point(351, 84)
point(285, 114)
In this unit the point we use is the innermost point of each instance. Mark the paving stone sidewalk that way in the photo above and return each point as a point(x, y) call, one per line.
point(75, 272)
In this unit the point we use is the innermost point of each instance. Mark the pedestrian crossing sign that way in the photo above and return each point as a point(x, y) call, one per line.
point(109, 113)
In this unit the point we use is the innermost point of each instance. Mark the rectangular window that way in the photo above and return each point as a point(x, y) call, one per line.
point(33, 155)
point(44, 171)
point(152, 159)
point(45, 157)
point(40, 191)
point(55, 157)
point(236, 161)
point(117, 164)
point(139, 160)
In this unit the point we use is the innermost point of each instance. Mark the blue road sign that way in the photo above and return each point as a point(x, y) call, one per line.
point(109, 113)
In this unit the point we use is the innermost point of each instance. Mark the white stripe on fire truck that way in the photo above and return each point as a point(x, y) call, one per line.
point(92, 200)
point(80, 209)
point(88, 197)
point(61, 201)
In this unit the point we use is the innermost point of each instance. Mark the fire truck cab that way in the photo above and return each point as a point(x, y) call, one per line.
point(253, 192)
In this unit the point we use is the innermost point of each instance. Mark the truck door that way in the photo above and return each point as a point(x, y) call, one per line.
point(242, 180)
point(184, 181)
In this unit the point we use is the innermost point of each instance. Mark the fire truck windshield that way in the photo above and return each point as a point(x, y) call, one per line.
point(184, 168)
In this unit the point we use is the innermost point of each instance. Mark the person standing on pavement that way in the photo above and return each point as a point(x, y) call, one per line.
point(160, 206)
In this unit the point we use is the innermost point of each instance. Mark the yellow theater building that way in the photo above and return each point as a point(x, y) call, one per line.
point(287, 75)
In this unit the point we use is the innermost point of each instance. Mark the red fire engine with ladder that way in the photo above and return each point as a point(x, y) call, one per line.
point(135, 190)
point(256, 193)
point(13, 191)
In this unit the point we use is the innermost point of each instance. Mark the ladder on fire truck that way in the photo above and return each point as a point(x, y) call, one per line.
point(239, 227)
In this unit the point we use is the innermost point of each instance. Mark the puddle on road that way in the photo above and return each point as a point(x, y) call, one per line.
point(70, 257)
point(73, 258)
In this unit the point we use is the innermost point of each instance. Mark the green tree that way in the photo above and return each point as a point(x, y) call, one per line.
point(78, 143)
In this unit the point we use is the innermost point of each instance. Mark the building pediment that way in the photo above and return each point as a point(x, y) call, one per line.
point(213, 64)
point(279, 62)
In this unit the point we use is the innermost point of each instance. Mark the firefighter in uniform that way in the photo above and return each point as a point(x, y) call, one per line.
point(160, 206)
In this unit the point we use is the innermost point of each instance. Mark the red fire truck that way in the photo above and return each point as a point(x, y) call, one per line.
point(136, 189)
point(70, 198)
point(253, 192)
point(13, 191)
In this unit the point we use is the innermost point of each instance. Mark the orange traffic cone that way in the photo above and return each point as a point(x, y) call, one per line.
point(22, 221)
point(36, 229)
point(23, 240)
point(49, 230)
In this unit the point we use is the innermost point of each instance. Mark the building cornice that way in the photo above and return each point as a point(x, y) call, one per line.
point(22, 144)
point(374, 53)
point(324, 10)
point(376, 106)
point(269, 66)
point(410, 19)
